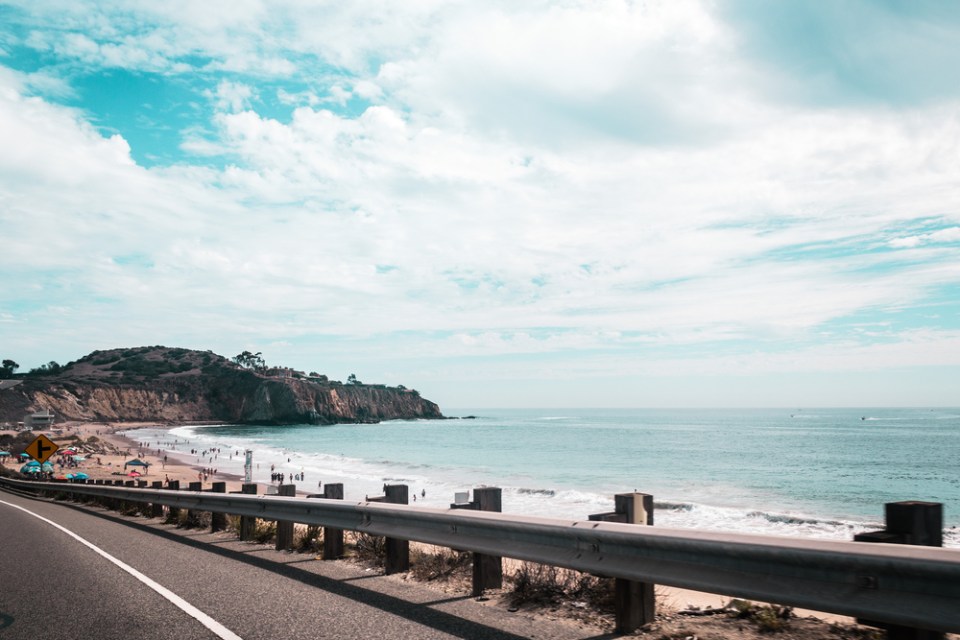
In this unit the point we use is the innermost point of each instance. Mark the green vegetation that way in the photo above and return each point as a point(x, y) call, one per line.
point(769, 618)
point(8, 368)
point(140, 366)
point(52, 368)
point(252, 361)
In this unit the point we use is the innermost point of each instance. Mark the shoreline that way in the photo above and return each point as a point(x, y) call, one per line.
point(123, 448)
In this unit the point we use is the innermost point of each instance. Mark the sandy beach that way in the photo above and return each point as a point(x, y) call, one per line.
point(107, 451)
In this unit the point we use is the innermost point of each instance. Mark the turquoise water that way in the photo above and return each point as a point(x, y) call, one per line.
point(809, 472)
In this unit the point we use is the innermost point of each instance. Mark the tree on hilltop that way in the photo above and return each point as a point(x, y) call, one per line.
point(9, 366)
point(352, 379)
point(252, 361)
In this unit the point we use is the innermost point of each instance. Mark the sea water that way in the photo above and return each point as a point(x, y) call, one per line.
point(823, 473)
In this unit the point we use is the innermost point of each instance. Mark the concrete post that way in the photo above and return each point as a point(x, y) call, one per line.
point(248, 524)
point(398, 551)
point(332, 538)
point(284, 527)
point(218, 521)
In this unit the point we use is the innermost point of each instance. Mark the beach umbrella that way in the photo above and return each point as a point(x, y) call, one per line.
point(4, 454)
point(136, 463)
point(31, 467)
point(24, 455)
point(81, 476)
point(47, 466)
point(68, 452)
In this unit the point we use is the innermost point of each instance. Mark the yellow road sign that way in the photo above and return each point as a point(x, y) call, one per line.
point(41, 449)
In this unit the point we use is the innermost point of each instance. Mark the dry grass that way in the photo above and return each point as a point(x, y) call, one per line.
point(367, 548)
point(308, 539)
point(544, 585)
point(440, 564)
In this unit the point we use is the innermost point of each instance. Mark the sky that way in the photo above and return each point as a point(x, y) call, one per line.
point(579, 203)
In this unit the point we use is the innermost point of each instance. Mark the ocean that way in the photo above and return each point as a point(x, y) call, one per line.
point(816, 473)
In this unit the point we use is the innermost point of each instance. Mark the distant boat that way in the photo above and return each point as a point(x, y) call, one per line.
point(863, 417)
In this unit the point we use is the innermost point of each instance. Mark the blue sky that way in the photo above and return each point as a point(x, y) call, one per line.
point(501, 204)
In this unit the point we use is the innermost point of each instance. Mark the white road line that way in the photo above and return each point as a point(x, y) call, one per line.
point(185, 606)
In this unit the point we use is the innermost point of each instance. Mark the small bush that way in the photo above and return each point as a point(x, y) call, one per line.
point(197, 520)
point(443, 565)
point(769, 618)
point(233, 524)
point(371, 549)
point(308, 539)
point(545, 585)
point(265, 531)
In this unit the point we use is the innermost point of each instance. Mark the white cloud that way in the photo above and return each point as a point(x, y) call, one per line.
point(951, 234)
point(231, 96)
point(555, 178)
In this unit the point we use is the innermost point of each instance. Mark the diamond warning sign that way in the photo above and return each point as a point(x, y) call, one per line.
point(41, 449)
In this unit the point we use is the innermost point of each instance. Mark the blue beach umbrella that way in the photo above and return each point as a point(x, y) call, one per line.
point(81, 476)
point(47, 466)
point(31, 467)
point(24, 455)
point(4, 454)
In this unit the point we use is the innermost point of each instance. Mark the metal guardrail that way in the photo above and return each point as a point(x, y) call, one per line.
point(898, 584)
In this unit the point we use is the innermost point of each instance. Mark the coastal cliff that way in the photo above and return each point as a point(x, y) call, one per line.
point(161, 384)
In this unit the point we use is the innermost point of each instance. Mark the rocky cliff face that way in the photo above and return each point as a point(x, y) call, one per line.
point(157, 384)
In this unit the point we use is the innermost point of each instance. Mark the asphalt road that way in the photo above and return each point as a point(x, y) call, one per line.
point(52, 585)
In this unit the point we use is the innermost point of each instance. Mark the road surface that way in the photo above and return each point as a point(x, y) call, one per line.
point(84, 572)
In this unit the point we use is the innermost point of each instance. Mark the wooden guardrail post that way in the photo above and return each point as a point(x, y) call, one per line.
point(193, 517)
point(156, 509)
point(117, 504)
point(173, 513)
point(634, 601)
point(285, 527)
point(248, 524)
point(398, 551)
point(909, 522)
point(218, 521)
point(487, 570)
point(332, 538)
